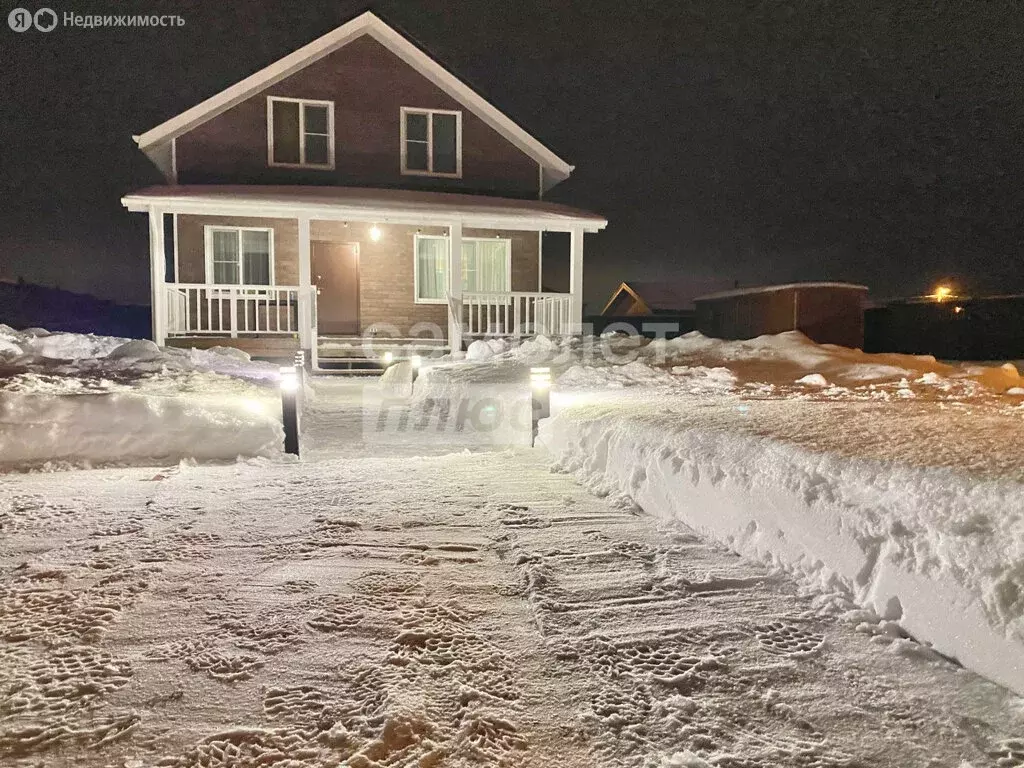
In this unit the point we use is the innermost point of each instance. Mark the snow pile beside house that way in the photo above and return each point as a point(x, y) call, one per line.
point(80, 399)
point(891, 480)
point(791, 356)
point(489, 399)
point(936, 550)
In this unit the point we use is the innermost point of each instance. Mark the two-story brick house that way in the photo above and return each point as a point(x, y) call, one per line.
point(354, 185)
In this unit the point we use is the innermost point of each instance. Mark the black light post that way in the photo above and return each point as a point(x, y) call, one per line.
point(540, 386)
point(290, 408)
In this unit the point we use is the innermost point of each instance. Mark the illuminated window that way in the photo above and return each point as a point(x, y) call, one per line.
point(486, 267)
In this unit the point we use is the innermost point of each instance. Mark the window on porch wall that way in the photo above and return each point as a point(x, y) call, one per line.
point(240, 256)
point(486, 266)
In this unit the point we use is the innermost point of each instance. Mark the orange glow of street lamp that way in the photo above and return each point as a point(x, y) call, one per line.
point(942, 293)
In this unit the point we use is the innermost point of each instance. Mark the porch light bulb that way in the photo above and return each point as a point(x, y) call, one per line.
point(375, 233)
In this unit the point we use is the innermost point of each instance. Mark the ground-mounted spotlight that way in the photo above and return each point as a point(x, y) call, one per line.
point(290, 408)
point(388, 358)
point(417, 363)
point(540, 388)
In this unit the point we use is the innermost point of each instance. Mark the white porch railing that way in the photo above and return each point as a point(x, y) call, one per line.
point(516, 314)
point(195, 309)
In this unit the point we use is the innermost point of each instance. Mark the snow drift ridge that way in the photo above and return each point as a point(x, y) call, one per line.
point(938, 550)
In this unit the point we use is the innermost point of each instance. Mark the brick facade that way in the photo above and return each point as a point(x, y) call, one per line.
point(386, 285)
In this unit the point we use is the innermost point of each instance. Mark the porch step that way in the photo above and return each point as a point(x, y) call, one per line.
point(360, 348)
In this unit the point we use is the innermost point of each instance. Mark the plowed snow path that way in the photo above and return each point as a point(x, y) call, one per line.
point(461, 610)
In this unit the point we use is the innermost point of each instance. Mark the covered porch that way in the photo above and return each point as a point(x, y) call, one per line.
point(301, 266)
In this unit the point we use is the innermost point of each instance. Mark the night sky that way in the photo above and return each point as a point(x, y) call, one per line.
point(876, 141)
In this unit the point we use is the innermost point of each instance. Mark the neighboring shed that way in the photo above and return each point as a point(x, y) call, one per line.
point(828, 313)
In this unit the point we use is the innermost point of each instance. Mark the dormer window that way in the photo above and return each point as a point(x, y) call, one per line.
point(300, 133)
point(431, 142)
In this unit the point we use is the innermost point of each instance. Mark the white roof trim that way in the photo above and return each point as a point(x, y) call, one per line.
point(364, 24)
point(369, 211)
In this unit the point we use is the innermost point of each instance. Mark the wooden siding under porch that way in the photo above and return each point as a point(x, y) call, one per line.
point(259, 347)
point(330, 348)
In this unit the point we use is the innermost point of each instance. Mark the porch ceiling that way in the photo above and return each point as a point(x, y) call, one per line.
point(397, 206)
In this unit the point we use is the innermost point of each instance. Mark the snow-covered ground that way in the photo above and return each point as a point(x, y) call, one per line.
point(894, 481)
point(421, 590)
point(69, 399)
point(461, 610)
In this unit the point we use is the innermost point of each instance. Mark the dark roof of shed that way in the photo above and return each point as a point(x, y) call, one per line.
point(773, 288)
point(671, 295)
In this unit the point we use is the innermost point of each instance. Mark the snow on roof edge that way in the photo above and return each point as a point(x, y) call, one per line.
point(265, 200)
point(773, 288)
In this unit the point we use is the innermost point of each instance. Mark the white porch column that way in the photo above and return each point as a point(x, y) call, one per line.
point(306, 331)
point(157, 272)
point(540, 261)
point(576, 279)
point(455, 286)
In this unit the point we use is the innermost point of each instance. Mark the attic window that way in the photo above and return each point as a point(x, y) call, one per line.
point(431, 142)
point(300, 133)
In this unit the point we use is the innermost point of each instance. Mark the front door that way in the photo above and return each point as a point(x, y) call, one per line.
point(336, 277)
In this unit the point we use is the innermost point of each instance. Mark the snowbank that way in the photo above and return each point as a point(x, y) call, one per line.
point(79, 399)
point(492, 400)
point(791, 356)
point(934, 548)
point(890, 479)
point(76, 354)
point(133, 427)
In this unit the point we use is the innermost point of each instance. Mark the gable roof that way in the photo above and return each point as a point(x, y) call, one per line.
point(667, 296)
point(554, 168)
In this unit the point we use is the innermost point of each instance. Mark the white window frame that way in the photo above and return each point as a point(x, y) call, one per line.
point(329, 165)
point(444, 300)
point(208, 231)
point(406, 171)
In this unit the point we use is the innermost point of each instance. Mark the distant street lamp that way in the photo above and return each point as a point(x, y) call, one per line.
point(942, 293)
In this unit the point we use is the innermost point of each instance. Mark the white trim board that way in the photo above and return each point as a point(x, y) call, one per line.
point(364, 24)
point(378, 212)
